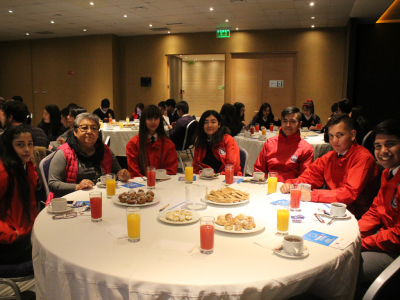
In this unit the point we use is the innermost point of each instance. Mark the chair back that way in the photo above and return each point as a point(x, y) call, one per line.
point(244, 157)
point(108, 141)
point(44, 168)
point(190, 130)
point(368, 142)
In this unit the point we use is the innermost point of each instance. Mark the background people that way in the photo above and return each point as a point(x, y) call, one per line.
point(265, 117)
point(177, 133)
point(230, 120)
point(309, 119)
point(104, 112)
point(138, 112)
point(51, 122)
point(171, 111)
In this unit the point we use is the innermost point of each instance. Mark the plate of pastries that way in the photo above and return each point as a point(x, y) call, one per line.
point(223, 195)
point(179, 216)
point(136, 198)
point(239, 224)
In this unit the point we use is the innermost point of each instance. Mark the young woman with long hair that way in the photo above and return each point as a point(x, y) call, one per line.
point(240, 110)
point(214, 147)
point(309, 119)
point(18, 208)
point(138, 112)
point(265, 117)
point(151, 147)
point(51, 122)
point(229, 119)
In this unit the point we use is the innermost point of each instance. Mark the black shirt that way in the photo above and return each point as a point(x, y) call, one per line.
point(98, 112)
point(211, 160)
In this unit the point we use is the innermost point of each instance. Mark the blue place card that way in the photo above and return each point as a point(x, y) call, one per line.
point(237, 180)
point(182, 178)
point(319, 238)
point(132, 185)
point(283, 202)
point(82, 203)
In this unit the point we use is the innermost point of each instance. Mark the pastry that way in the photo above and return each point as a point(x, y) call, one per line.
point(229, 217)
point(149, 198)
point(228, 226)
point(241, 217)
point(150, 193)
point(221, 221)
point(238, 226)
point(141, 200)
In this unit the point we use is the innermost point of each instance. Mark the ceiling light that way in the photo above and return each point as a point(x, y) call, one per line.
point(180, 55)
point(313, 18)
point(312, 26)
point(52, 22)
point(212, 59)
point(211, 8)
point(185, 56)
point(226, 20)
point(169, 31)
point(84, 29)
point(150, 25)
point(312, 4)
point(27, 33)
point(237, 28)
point(125, 16)
point(10, 11)
point(91, 3)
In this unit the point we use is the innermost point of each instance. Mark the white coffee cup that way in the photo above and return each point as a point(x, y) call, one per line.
point(161, 174)
point(207, 172)
point(338, 209)
point(59, 204)
point(102, 180)
point(305, 129)
point(247, 134)
point(293, 244)
point(258, 176)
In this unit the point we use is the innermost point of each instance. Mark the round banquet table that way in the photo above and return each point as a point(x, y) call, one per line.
point(253, 146)
point(78, 259)
point(119, 138)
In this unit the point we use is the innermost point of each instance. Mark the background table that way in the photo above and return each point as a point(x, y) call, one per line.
point(254, 146)
point(119, 138)
point(78, 259)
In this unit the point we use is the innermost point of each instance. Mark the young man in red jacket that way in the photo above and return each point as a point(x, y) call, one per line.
point(288, 154)
point(349, 171)
point(380, 225)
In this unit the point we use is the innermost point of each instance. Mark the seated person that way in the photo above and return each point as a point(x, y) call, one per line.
point(51, 122)
point(80, 161)
point(334, 110)
point(177, 133)
point(138, 112)
point(288, 154)
point(309, 119)
point(265, 117)
point(240, 110)
point(380, 225)
point(214, 147)
point(362, 125)
point(161, 106)
point(229, 119)
point(18, 208)
point(104, 112)
point(344, 107)
point(151, 147)
point(171, 111)
point(349, 171)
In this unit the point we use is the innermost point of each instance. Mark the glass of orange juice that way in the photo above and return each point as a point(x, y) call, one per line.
point(272, 182)
point(282, 218)
point(133, 224)
point(188, 172)
point(110, 185)
point(127, 120)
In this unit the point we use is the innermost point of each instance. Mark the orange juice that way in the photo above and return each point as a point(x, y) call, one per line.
point(110, 187)
point(127, 120)
point(121, 125)
point(272, 183)
point(264, 132)
point(188, 173)
point(133, 222)
point(282, 220)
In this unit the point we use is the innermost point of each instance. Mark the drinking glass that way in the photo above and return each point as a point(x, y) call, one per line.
point(295, 195)
point(151, 177)
point(319, 127)
point(271, 127)
point(272, 182)
point(127, 120)
point(252, 129)
point(133, 224)
point(207, 228)
point(282, 218)
point(189, 172)
point(264, 132)
point(96, 211)
point(110, 185)
point(121, 125)
point(257, 129)
point(229, 170)
point(195, 197)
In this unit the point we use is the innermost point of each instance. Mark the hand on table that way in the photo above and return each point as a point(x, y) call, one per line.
point(124, 175)
point(285, 188)
point(84, 184)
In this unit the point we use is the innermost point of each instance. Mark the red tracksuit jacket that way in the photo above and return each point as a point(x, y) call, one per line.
point(287, 155)
point(383, 216)
point(351, 179)
point(226, 152)
point(168, 160)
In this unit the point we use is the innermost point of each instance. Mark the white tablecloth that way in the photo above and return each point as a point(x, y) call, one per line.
point(79, 259)
point(254, 146)
point(119, 138)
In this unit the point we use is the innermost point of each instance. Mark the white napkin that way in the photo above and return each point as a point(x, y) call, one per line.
point(176, 245)
point(117, 230)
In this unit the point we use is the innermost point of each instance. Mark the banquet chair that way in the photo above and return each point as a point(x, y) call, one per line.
point(368, 142)
point(378, 286)
point(44, 168)
point(244, 158)
point(187, 142)
point(108, 141)
point(19, 272)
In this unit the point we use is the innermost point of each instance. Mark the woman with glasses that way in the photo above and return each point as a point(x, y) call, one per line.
point(151, 147)
point(309, 119)
point(80, 161)
point(18, 208)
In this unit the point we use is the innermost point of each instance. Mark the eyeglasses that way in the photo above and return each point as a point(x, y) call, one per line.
point(85, 128)
point(65, 216)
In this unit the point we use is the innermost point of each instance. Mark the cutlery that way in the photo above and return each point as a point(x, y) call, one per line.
point(331, 221)
point(164, 207)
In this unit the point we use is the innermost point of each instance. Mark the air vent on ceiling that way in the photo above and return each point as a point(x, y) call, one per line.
point(57, 15)
point(160, 29)
point(233, 1)
point(140, 8)
point(172, 24)
point(44, 32)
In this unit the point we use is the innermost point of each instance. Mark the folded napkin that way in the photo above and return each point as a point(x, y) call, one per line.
point(176, 245)
point(117, 230)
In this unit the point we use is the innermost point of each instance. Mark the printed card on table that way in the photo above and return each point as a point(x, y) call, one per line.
point(236, 180)
point(319, 238)
point(132, 185)
point(182, 178)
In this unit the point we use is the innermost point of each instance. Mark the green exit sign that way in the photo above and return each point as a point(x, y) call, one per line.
point(221, 34)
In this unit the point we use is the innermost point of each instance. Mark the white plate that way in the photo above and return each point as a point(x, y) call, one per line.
point(50, 210)
point(259, 223)
point(208, 178)
point(116, 201)
point(279, 251)
point(258, 182)
point(166, 178)
point(162, 216)
point(103, 186)
point(345, 217)
point(234, 186)
point(228, 204)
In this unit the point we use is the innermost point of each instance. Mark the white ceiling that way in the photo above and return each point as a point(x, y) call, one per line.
point(72, 17)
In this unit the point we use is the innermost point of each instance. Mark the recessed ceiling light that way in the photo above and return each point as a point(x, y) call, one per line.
point(27, 33)
point(52, 22)
point(312, 26)
point(212, 59)
point(125, 16)
point(313, 18)
point(91, 3)
point(227, 20)
point(151, 25)
point(84, 29)
point(312, 4)
point(211, 8)
point(10, 11)
point(180, 55)
point(185, 56)
point(169, 31)
point(237, 28)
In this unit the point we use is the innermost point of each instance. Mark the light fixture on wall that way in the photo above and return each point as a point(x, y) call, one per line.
point(10, 11)
point(313, 18)
point(84, 29)
point(150, 25)
point(226, 20)
point(27, 33)
point(211, 8)
point(52, 22)
point(312, 26)
point(91, 3)
point(312, 4)
point(125, 16)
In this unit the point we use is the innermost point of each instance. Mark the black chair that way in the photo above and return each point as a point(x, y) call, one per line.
point(368, 142)
point(244, 157)
point(187, 145)
point(10, 274)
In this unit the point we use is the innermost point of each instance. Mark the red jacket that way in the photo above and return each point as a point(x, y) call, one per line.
point(383, 216)
point(134, 116)
point(161, 154)
point(351, 179)
point(226, 152)
point(16, 219)
point(287, 155)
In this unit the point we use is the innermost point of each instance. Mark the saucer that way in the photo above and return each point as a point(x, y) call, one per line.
point(279, 251)
point(103, 186)
point(166, 178)
point(345, 217)
point(50, 210)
